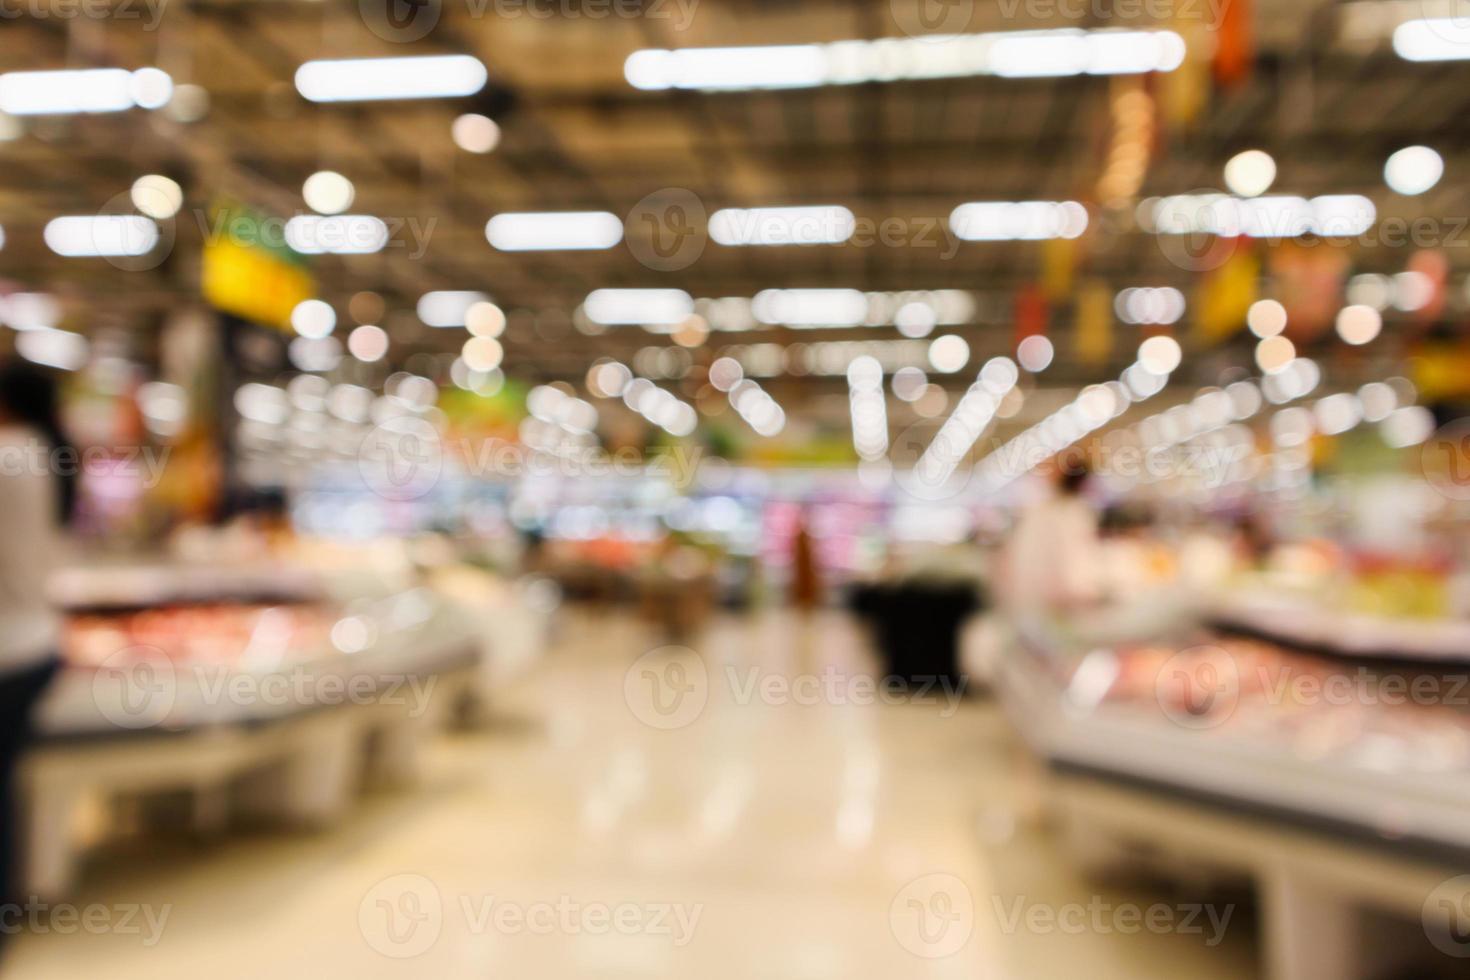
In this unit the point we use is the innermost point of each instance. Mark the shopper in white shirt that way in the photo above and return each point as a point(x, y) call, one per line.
point(1054, 557)
point(37, 481)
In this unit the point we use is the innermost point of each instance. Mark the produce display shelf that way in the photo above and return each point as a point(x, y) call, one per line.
point(1419, 813)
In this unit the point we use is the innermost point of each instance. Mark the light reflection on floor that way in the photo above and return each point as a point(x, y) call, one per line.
point(788, 828)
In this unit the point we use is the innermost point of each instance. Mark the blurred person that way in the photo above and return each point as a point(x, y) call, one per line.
point(37, 490)
point(1054, 560)
point(806, 573)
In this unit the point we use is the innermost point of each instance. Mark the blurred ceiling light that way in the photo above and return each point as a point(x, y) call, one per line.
point(189, 104)
point(93, 235)
point(1337, 413)
point(1271, 217)
point(30, 311)
point(1413, 170)
point(1273, 354)
point(811, 307)
point(1266, 318)
point(53, 348)
point(1148, 304)
point(1035, 353)
point(1370, 289)
point(608, 379)
point(554, 231)
point(1292, 426)
point(759, 410)
point(1160, 355)
point(1251, 173)
point(475, 133)
point(1407, 426)
point(157, 196)
point(370, 79)
point(482, 353)
point(368, 343)
point(1013, 54)
point(315, 353)
point(1412, 291)
point(484, 319)
point(1358, 325)
point(1378, 400)
point(336, 234)
point(949, 353)
point(312, 318)
point(88, 90)
point(1005, 221)
point(909, 383)
point(628, 307)
point(725, 373)
point(868, 409)
point(818, 225)
point(916, 319)
point(328, 192)
point(446, 308)
point(1433, 39)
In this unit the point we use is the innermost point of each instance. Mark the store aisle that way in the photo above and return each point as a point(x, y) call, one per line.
point(629, 816)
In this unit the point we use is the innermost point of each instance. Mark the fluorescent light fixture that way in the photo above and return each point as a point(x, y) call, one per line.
point(1272, 217)
point(1009, 221)
point(337, 234)
point(1015, 54)
point(821, 225)
point(1149, 304)
point(94, 235)
point(1433, 39)
point(447, 307)
point(373, 79)
point(615, 307)
point(86, 90)
point(30, 311)
point(557, 231)
point(53, 348)
point(811, 307)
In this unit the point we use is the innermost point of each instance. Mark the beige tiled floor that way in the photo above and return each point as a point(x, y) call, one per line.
point(797, 840)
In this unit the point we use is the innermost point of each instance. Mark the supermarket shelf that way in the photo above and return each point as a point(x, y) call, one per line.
point(1412, 813)
point(1300, 623)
